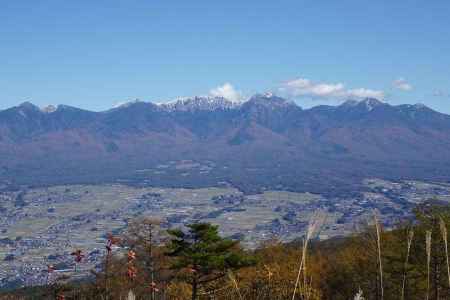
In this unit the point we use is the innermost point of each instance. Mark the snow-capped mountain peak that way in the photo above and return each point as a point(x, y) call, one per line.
point(49, 109)
point(367, 104)
point(371, 103)
point(199, 103)
point(270, 100)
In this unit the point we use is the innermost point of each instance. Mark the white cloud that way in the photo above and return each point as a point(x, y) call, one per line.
point(226, 91)
point(441, 93)
point(402, 84)
point(302, 87)
point(365, 93)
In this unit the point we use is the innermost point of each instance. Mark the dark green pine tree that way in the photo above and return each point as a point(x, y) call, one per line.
point(204, 255)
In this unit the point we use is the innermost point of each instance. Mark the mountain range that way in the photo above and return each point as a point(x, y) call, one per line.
point(263, 143)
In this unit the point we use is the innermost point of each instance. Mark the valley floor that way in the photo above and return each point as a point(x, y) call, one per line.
point(42, 226)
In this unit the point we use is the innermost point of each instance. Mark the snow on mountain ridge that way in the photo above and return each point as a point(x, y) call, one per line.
point(199, 103)
point(49, 109)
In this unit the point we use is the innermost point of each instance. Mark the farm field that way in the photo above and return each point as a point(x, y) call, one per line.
point(41, 226)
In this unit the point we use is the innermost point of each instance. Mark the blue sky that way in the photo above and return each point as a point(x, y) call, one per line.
point(95, 54)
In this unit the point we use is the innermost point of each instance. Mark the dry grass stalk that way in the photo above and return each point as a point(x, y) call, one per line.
point(359, 295)
point(309, 289)
point(269, 276)
point(235, 283)
point(314, 226)
point(378, 229)
point(445, 238)
point(305, 245)
point(408, 250)
point(131, 295)
point(428, 249)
